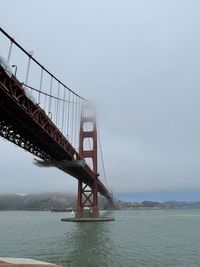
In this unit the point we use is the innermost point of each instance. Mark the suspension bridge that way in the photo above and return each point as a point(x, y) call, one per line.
point(40, 114)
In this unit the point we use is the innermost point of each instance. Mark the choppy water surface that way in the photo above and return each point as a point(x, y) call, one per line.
point(136, 238)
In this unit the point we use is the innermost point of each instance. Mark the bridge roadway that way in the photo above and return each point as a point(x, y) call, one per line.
point(28, 126)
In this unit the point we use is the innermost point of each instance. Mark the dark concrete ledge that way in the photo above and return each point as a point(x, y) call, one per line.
point(100, 219)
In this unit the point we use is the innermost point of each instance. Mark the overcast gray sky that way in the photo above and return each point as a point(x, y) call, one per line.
point(139, 61)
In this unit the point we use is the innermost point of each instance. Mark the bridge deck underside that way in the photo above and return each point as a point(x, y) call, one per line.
point(28, 126)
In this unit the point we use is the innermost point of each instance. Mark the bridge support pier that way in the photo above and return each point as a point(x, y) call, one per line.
point(87, 201)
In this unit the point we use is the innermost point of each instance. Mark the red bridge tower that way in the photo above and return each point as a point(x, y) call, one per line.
point(87, 199)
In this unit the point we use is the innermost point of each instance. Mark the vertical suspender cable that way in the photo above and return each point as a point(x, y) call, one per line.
point(75, 127)
point(55, 109)
point(72, 125)
point(45, 102)
point(9, 52)
point(59, 109)
point(63, 107)
point(79, 121)
point(51, 83)
point(57, 106)
point(64, 126)
point(41, 78)
point(68, 113)
point(27, 71)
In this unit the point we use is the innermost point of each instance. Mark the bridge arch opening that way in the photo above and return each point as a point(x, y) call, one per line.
point(88, 126)
point(88, 143)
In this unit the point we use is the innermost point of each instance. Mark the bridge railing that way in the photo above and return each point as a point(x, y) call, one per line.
point(59, 102)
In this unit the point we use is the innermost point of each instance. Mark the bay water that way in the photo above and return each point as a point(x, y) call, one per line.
point(136, 238)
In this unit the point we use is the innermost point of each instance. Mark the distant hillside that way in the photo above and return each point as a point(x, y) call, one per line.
point(63, 201)
point(41, 202)
point(36, 202)
point(142, 204)
point(183, 204)
point(156, 204)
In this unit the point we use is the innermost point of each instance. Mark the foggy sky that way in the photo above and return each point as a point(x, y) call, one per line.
point(139, 61)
